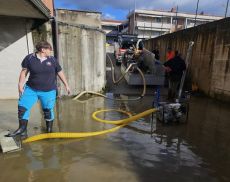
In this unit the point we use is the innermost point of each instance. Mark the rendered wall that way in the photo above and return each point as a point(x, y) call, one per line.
point(210, 63)
point(81, 52)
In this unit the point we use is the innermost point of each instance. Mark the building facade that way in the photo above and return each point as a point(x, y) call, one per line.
point(111, 28)
point(149, 24)
point(110, 25)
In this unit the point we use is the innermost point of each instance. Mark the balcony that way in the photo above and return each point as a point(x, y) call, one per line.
point(154, 25)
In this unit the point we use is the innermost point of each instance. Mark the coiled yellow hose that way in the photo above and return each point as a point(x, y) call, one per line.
point(120, 123)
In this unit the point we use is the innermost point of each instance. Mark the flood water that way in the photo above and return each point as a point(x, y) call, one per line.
point(198, 150)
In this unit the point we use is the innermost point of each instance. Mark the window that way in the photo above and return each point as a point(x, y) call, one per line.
point(168, 20)
point(158, 20)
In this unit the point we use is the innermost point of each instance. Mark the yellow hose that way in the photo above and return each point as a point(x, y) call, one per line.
point(120, 123)
point(68, 135)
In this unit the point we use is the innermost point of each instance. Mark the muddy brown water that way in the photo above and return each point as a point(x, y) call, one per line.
point(196, 151)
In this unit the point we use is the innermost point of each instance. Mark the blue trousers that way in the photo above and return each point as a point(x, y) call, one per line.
point(30, 97)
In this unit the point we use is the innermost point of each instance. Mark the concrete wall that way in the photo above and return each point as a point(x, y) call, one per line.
point(210, 63)
point(81, 52)
point(92, 19)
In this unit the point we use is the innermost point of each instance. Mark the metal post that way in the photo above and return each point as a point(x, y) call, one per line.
point(27, 42)
point(197, 6)
point(226, 11)
point(189, 53)
point(134, 17)
point(161, 24)
point(151, 124)
point(176, 18)
point(144, 31)
point(157, 95)
point(171, 26)
point(151, 28)
point(186, 23)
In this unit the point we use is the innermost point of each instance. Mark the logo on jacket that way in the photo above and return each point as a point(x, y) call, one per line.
point(48, 63)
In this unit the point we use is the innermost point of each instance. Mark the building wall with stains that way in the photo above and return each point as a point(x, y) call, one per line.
point(81, 51)
point(210, 62)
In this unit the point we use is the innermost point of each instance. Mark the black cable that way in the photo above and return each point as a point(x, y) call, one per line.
point(27, 43)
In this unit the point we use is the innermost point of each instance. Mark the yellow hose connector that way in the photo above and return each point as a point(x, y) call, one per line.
point(121, 123)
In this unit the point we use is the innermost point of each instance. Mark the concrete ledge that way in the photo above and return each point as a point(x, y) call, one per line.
point(8, 144)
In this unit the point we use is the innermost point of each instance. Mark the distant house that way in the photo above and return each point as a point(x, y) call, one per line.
point(111, 27)
point(152, 23)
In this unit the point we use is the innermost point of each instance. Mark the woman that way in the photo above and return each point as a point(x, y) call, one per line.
point(41, 85)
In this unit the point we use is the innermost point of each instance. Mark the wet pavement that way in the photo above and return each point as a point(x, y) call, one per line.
point(198, 150)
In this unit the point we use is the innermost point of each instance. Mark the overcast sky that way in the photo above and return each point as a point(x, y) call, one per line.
point(118, 9)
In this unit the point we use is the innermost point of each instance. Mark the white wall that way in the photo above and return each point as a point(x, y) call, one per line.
point(13, 48)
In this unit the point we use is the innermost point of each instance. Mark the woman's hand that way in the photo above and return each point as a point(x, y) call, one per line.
point(20, 89)
point(64, 81)
point(67, 89)
point(21, 81)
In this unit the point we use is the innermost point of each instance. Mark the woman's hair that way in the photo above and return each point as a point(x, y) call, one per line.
point(43, 45)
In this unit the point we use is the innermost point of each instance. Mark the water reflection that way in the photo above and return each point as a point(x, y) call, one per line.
point(196, 151)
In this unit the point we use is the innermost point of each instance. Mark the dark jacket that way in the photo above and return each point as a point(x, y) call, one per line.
point(157, 54)
point(177, 66)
